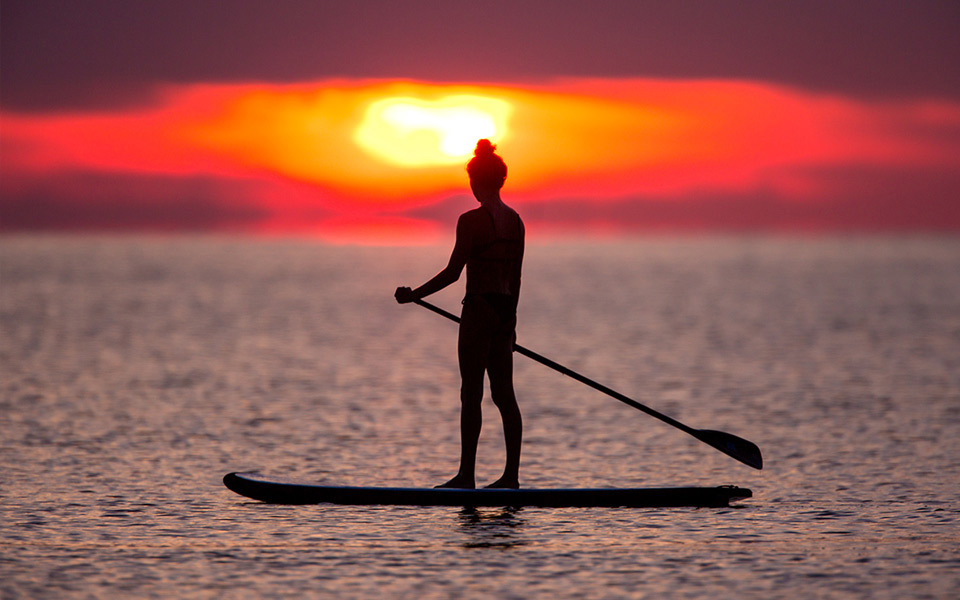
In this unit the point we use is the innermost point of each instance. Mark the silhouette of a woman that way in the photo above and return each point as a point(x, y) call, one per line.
point(490, 245)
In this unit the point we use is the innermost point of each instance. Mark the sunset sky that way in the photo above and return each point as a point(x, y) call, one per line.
point(353, 121)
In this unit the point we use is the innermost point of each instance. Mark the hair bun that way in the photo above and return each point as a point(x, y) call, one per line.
point(486, 167)
point(484, 148)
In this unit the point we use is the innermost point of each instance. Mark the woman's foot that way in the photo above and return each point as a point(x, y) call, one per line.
point(505, 482)
point(460, 482)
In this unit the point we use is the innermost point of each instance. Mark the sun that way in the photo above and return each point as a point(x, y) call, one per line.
point(411, 132)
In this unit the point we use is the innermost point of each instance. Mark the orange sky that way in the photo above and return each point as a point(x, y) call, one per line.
point(337, 152)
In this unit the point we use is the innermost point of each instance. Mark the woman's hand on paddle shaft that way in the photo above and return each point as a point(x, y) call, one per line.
point(404, 295)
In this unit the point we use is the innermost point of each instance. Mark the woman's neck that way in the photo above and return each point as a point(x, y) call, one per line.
point(491, 200)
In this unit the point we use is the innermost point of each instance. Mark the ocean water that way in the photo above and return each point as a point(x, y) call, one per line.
point(135, 372)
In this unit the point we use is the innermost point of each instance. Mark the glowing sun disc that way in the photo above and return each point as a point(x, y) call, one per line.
point(420, 133)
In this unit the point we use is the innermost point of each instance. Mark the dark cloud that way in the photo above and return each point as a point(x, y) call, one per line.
point(69, 54)
point(859, 199)
point(105, 201)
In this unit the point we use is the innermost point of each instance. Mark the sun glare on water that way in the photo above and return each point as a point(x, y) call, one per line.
point(420, 133)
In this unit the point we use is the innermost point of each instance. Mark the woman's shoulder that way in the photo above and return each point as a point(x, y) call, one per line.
point(473, 212)
point(472, 216)
point(515, 215)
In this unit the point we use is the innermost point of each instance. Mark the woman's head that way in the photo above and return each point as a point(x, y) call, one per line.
point(486, 169)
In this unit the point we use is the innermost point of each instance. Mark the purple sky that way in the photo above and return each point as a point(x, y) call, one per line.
point(62, 54)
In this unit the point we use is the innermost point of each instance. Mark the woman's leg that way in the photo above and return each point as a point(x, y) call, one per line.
point(473, 346)
point(500, 370)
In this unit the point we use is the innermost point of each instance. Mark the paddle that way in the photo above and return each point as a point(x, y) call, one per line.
point(743, 450)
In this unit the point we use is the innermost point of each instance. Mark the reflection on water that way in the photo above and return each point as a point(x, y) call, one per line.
point(492, 528)
point(134, 374)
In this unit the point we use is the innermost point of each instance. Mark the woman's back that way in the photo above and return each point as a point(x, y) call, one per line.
point(496, 255)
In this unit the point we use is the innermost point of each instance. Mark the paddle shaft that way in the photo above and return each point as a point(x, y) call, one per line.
point(736, 447)
point(573, 374)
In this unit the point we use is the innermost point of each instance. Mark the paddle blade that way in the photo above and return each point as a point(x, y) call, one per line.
point(743, 450)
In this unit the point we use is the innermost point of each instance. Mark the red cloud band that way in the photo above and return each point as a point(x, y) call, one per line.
point(595, 140)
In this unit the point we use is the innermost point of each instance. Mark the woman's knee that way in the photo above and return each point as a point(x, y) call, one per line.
point(505, 399)
point(471, 395)
point(501, 381)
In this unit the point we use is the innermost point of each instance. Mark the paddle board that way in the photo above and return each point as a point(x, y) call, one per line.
point(281, 492)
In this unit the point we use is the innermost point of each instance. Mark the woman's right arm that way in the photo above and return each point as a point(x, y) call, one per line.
point(450, 273)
